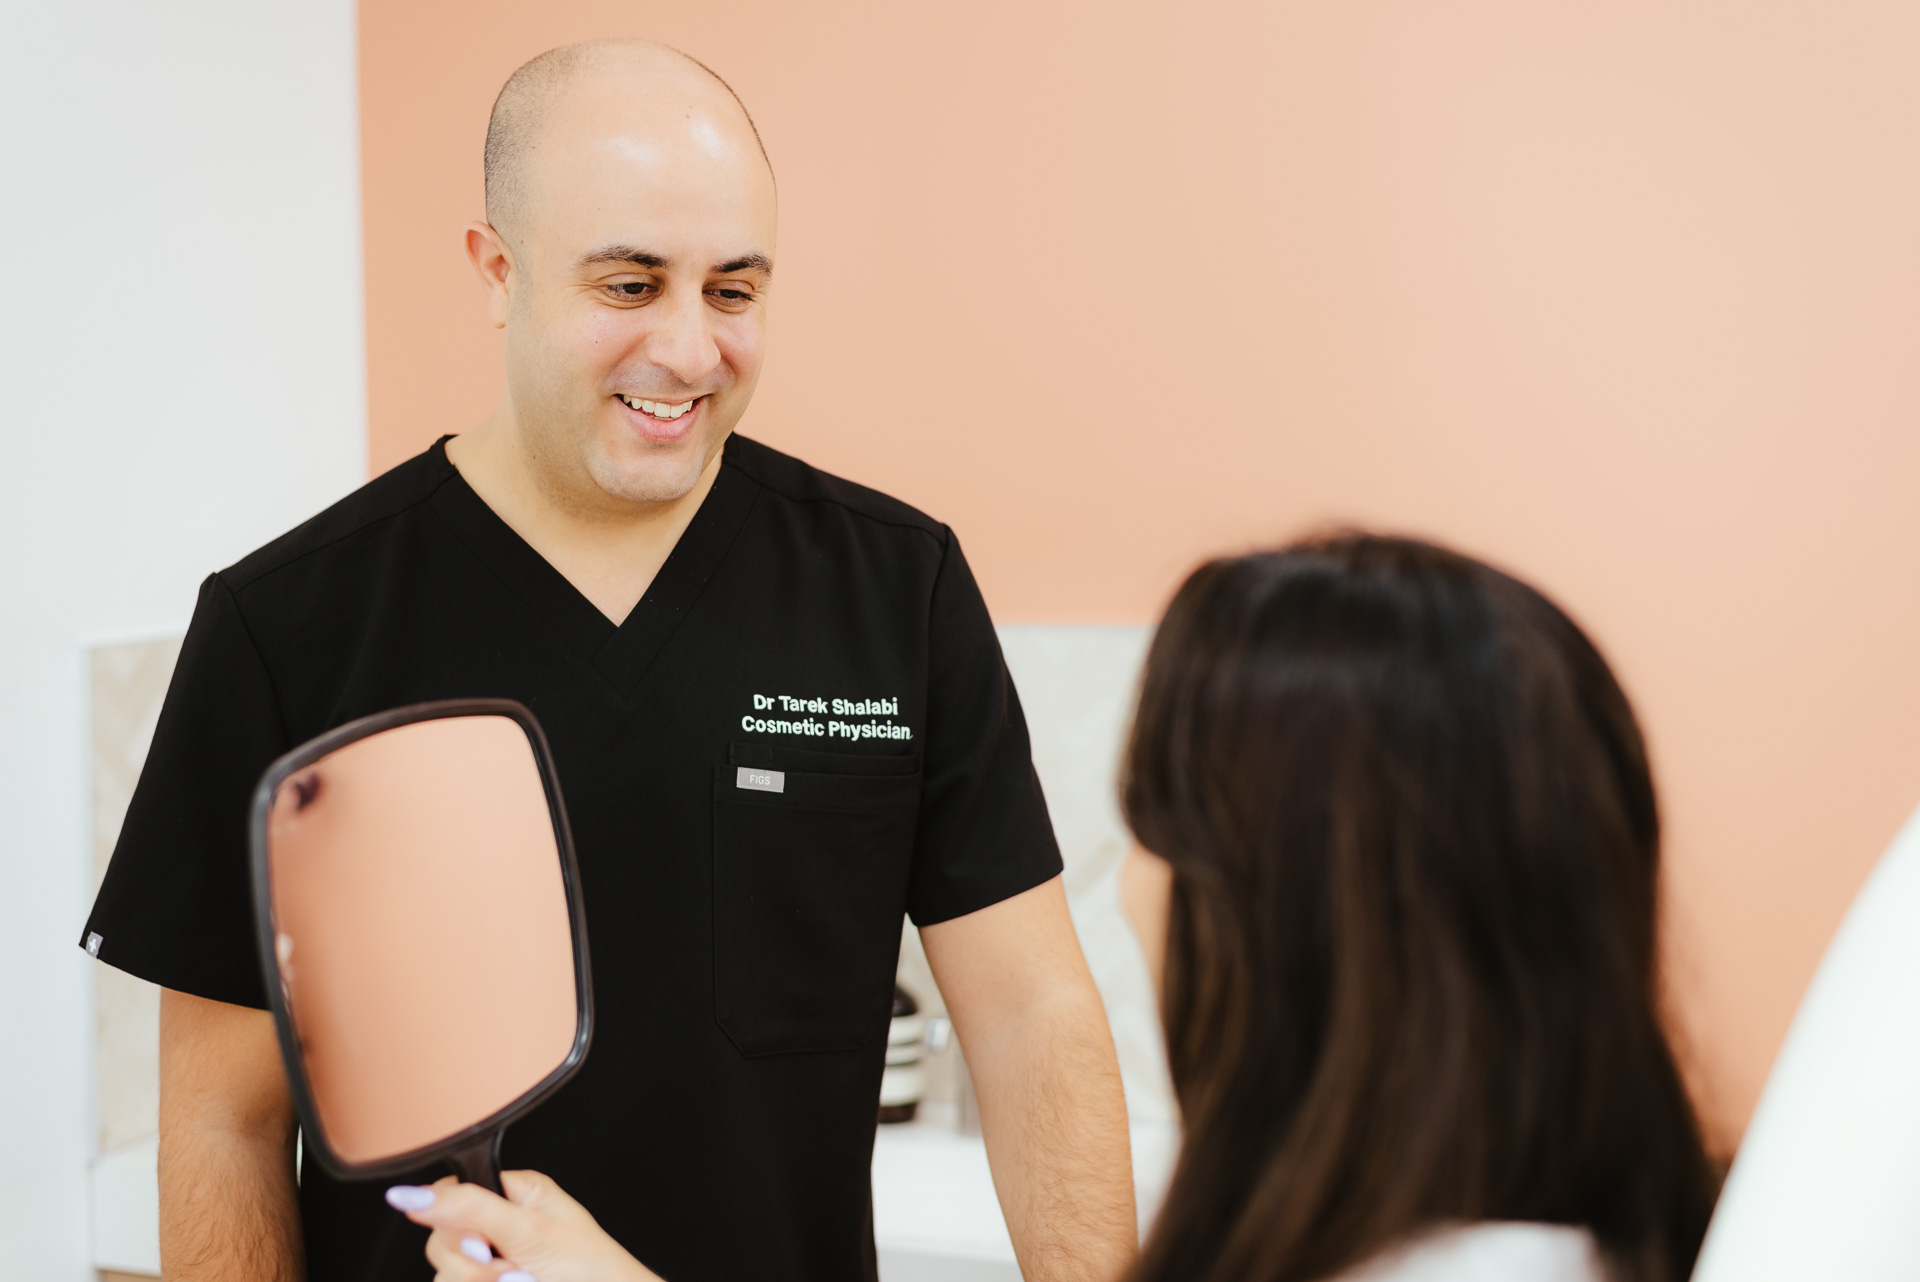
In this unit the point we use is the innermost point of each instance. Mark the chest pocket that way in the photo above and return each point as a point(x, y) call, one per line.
point(809, 888)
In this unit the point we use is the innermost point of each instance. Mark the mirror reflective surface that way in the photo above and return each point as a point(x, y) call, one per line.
point(422, 919)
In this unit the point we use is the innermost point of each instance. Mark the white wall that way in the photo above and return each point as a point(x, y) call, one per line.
point(181, 378)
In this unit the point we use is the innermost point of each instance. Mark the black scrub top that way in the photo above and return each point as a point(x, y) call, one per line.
point(743, 941)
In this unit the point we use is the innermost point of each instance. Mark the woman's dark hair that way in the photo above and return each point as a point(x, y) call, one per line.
point(1411, 970)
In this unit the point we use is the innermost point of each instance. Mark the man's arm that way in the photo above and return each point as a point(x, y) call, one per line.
point(1037, 1044)
point(229, 1207)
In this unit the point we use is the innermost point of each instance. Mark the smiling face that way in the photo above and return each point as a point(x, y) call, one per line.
point(633, 279)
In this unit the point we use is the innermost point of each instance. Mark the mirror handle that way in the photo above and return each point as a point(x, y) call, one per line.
point(479, 1162)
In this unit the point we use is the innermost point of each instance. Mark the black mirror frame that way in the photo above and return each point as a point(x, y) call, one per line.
point(473, 1152)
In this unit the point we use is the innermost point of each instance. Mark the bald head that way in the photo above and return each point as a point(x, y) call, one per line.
point(545, 87)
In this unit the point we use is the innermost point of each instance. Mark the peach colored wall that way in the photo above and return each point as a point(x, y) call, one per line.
point(1625, 295)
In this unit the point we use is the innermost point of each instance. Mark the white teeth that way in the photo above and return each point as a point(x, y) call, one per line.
point(658, 409)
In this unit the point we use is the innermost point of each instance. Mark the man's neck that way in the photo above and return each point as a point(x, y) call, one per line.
point(609, 550)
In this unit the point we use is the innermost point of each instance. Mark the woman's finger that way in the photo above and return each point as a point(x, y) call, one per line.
point(484, 1216)
point(451, 1262)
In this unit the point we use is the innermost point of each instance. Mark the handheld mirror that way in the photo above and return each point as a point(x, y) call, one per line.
point(420, 927)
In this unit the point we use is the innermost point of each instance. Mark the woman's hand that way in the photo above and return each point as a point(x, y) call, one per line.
point(541, 1234)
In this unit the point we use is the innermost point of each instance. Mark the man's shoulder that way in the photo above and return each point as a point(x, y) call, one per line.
point(392, 494)
point(799, 482)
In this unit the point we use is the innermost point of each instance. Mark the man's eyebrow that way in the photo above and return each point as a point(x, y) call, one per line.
point(643, 258)
point(745, 263)
point(622, 254)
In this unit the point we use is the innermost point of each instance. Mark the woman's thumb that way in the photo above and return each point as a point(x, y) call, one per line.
point(531, 1189)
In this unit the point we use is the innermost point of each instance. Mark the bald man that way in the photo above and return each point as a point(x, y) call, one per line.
point(781, 719)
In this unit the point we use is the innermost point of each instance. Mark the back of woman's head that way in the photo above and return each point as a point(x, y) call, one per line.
point(1411, 973)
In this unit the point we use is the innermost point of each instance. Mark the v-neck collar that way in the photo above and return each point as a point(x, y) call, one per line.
point(621, 653)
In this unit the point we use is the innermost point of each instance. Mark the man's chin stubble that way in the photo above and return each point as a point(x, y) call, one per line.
point(647, 484)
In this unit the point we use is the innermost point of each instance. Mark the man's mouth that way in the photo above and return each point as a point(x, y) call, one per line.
point(665, 411)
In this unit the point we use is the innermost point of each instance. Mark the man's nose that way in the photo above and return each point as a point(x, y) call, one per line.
point(681, 341)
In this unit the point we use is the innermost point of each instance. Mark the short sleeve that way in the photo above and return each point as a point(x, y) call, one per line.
point(176, 906)
point(984, 835)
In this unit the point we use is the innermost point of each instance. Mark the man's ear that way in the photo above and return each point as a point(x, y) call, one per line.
point(487, 251)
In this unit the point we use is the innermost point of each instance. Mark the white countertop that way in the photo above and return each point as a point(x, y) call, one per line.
point(935, 1215)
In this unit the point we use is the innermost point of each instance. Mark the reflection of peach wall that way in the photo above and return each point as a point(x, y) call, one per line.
point(1626, 295)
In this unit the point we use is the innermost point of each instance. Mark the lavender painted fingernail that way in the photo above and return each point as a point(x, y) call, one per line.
point(515, 1275)
point(409, 1197)
point(476, 1250)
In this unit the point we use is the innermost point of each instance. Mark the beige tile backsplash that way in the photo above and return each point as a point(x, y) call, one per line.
point(1077, 687)
point(126, 685)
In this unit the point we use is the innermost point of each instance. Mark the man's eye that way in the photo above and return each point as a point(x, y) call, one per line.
point(631, 289)
point(733, 295)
